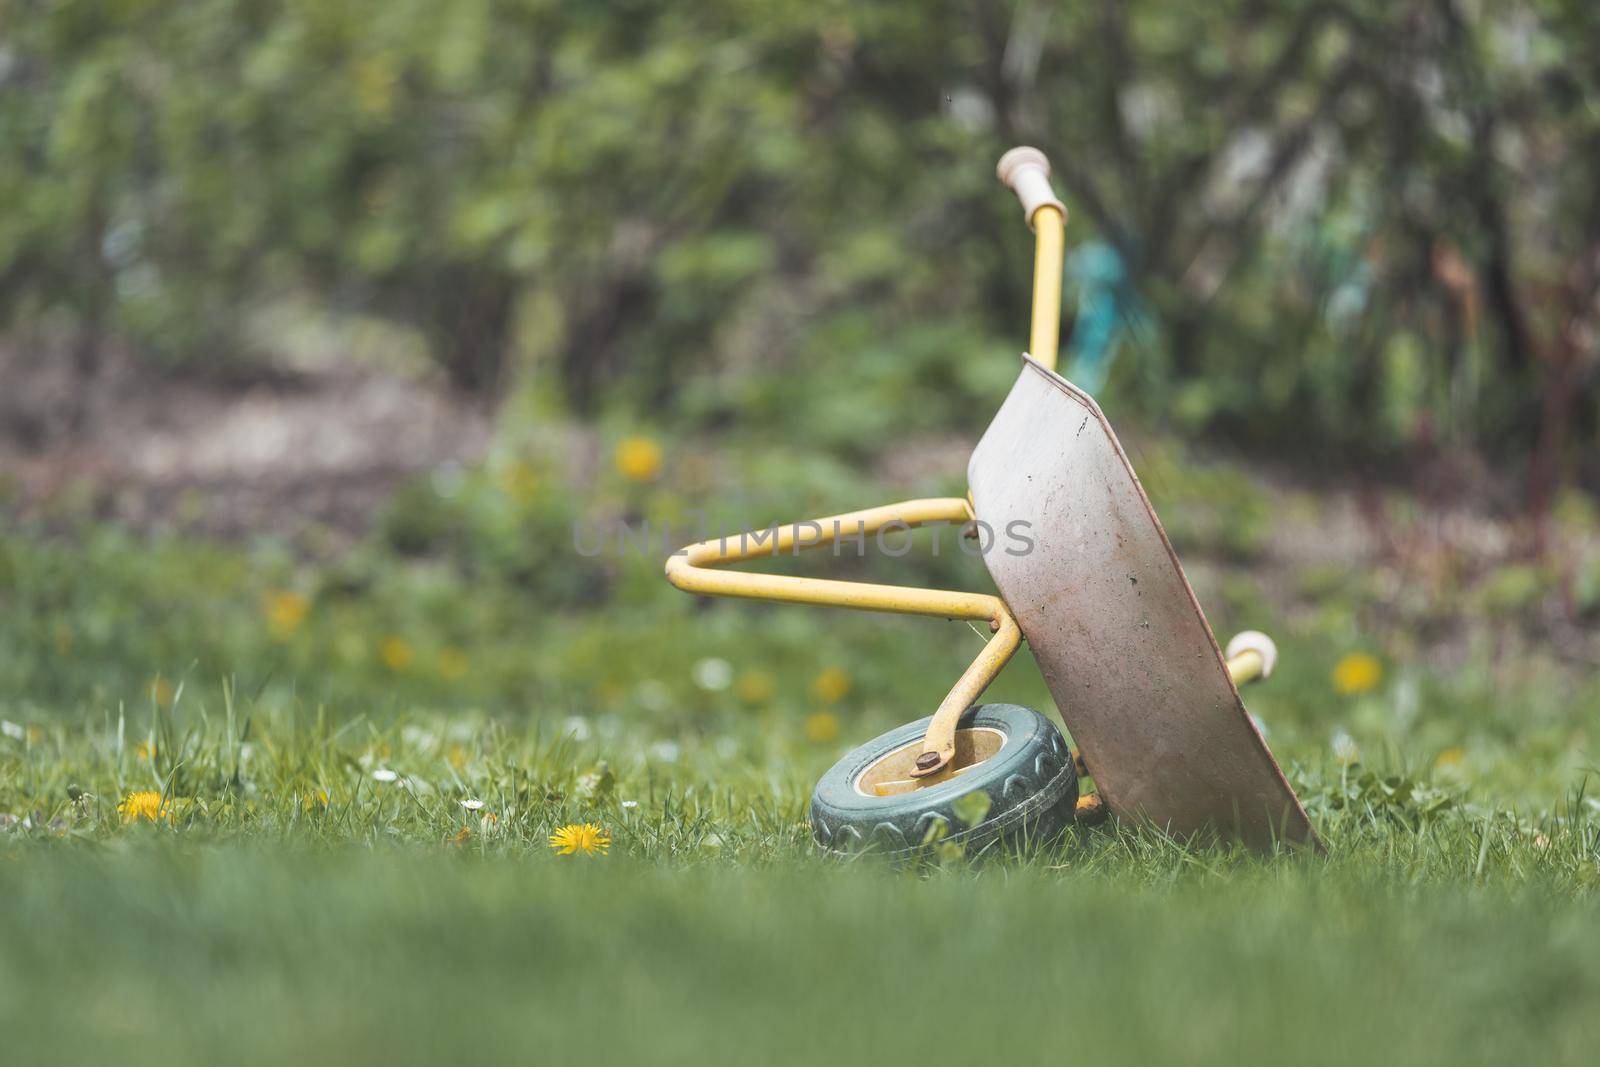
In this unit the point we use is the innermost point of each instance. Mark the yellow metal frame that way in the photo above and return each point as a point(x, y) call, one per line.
point(1049, 229)
point(693, 569)
point(1246, 667)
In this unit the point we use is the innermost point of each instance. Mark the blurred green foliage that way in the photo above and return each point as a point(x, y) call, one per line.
point(1371, 226)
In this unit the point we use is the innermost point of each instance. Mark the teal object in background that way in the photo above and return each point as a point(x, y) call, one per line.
point(1108, 309)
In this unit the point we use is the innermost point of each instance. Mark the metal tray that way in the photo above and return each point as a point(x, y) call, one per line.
point(1115, 627)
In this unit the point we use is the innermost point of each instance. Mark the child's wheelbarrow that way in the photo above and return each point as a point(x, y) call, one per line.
point(1087, 576)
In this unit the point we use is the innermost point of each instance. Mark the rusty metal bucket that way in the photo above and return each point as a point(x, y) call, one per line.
point(1115, 627)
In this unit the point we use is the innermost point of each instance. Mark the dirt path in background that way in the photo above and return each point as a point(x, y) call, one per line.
point(268, 451)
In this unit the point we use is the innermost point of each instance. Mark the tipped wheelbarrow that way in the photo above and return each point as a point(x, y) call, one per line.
point(1087, 577)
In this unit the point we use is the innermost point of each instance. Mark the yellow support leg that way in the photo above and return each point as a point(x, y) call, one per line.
point(691, 569)
point(1246, 667)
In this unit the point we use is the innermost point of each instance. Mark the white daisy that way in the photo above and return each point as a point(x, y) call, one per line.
point(1344, 747)
point(713, 674)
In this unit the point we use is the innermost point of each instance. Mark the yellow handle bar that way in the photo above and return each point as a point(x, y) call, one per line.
point(1027, 172)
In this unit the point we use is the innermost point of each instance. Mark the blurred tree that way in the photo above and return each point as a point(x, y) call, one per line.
point(1367, 224)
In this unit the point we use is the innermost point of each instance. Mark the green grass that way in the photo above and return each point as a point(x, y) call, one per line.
point(293, 903)
point(258, 923)
point(205, 954)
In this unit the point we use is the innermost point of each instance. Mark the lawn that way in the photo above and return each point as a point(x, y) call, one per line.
point(260, 806)
point(1398, 950)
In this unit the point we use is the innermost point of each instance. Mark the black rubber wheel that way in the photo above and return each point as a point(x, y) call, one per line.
point(1031, 782)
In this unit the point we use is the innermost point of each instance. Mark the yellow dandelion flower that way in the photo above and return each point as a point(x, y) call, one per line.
point(831, 685)
point(638, 459)
point(457, 756)
point(517, 480)
point(822, 727)
point(318, 799)
point(284, 611)
point(396, 653)
point(452, 664)
point(146, 750)
point(1357, 673)
point(755, 687)
point(160, 690)
point(462, 836)
point(144, 804)
point(583, 837)
point(1451, 757)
